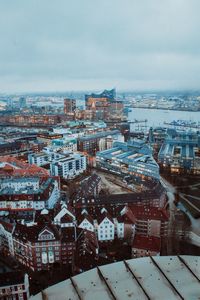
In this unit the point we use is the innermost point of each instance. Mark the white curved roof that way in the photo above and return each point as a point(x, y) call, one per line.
point(160, 277)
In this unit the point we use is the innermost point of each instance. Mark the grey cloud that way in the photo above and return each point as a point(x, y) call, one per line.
point(51, 45)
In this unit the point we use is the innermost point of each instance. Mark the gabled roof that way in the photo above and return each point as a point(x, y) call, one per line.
point(101, 217)
point(83, 217)
point(126, 216)
point(25, 233)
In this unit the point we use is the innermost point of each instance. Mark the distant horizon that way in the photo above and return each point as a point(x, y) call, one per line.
point(118, 91)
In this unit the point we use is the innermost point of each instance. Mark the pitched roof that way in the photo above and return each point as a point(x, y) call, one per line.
point(150, 243)
point(31, 233)
point(15, 167)
point(126, 216)
point(82, 217)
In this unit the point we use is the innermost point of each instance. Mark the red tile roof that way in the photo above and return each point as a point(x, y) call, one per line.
point(15, 167)
point(8, 226)
point(150, 243)
point(150, 213)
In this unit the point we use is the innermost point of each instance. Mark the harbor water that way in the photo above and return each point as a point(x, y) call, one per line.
point(158, 117)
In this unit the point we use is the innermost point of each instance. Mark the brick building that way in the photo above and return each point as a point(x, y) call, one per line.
point(51, 238)
point(69, 105)
point(14, 285)
point(146, 246)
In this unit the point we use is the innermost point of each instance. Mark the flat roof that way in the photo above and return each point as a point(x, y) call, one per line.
point(98, 135)
point(165, 277)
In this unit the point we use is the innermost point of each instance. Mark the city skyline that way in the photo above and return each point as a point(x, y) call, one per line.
point(132, 45)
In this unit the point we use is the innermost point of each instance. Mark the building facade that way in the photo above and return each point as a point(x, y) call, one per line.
point(69, 166)
point(132, 158)
point(14, 285)
point(28, 193)
point(180, 152)
point(94, 142)
point(69, 105)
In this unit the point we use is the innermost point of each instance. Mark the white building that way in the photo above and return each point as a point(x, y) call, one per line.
point(48, 155)
point(69, 166)
point(20, 183)
point(106, 228)
point(86, 222)
point(65, 144)
point(65, 217)
point(28, 193)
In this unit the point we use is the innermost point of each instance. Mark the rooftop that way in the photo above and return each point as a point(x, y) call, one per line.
point(99, 135)
point(170, 277)
point(28, 189)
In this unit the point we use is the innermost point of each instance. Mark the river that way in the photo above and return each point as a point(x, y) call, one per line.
point(157, 117)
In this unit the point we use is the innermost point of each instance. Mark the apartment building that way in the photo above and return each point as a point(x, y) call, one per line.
point(69, 166)
point(28, 193)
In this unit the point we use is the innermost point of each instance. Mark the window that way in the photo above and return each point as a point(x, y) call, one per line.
point(77, 165)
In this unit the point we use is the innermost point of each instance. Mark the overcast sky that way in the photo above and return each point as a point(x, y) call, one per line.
point(63, 45)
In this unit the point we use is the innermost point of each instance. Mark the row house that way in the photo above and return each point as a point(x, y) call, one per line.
point(20, 183)
point(147, 210)
point(106, 227)
point(147, 220)
point(87, 250)
point(28, 193)
point(64, 215)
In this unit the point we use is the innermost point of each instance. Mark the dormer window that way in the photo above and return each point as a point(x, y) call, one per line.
point(46, 235)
